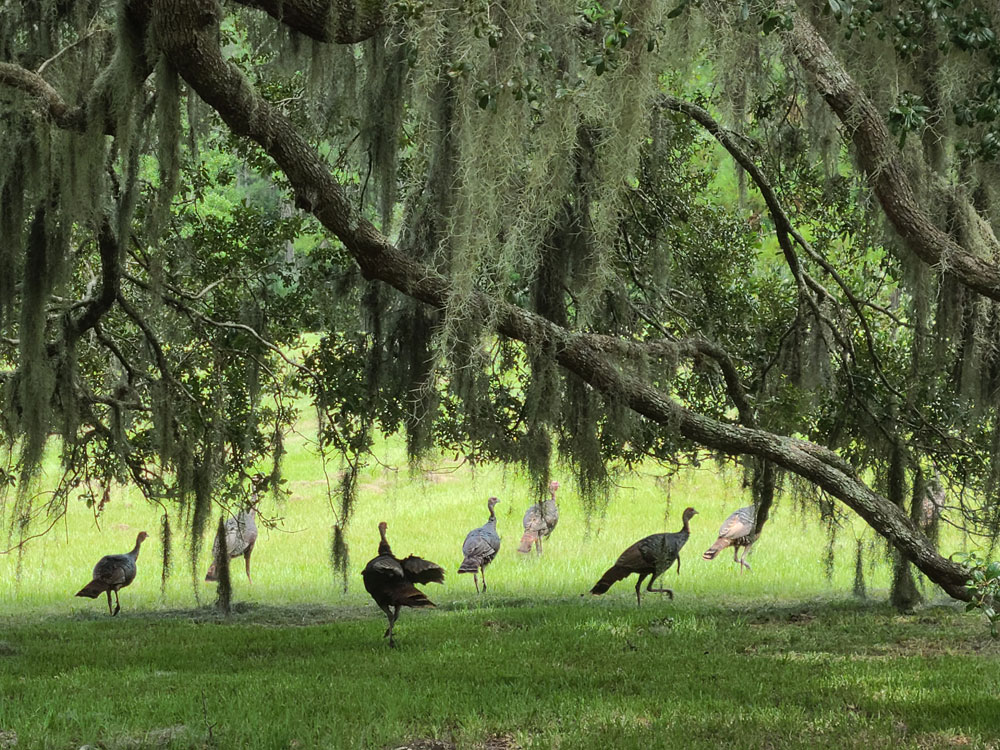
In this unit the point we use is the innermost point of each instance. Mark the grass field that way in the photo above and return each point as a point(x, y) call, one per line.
point(782, 657)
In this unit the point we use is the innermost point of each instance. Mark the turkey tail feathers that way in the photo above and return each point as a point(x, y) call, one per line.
point(409, 596)
point(711, 552)
point(611, 575)
point(470, 565)
point(529, 538)
point(419, 570)
point(92, 590)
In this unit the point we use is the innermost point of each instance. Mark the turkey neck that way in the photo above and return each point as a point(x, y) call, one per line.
point(135, 550)
point(684, 529)
point(383, 546)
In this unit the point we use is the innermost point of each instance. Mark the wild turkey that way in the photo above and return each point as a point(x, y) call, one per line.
point(652, 555)
point(539, 520)
point(739, 530)
point(113, 572)
point(241, 533)
point(480, 547)
point(391, 581)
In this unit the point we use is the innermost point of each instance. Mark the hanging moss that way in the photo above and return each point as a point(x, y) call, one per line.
point(37, 379)
point(339, 557)
point(224, 588)
point(384, 99)
point(580, 443)
point(168, 139)
point(904, 595)
point(11, 236)
point(201, 510)
point(166, 541)
point(858, 589)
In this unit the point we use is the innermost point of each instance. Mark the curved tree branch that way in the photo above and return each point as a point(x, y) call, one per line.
point(62, 114)
point(96, 307)
point(341, 21)
point(879, 157)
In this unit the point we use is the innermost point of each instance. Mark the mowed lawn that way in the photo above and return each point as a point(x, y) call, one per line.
point(782, 657)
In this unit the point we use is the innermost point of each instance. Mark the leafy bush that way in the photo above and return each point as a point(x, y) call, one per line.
point(984, 586)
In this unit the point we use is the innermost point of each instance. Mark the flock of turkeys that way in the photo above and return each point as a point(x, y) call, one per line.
point(392, 582)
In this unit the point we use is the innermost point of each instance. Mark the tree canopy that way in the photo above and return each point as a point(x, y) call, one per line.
point(759, 231)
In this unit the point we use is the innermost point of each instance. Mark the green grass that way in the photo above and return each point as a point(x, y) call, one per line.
point(782, 657)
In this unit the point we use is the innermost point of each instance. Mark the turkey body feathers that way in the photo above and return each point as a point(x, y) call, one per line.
point(241, 536)
point(481, 545)
point(113, 572)
point(650, 556)
point(390, 581)
point(539, 521)
point(739, 530)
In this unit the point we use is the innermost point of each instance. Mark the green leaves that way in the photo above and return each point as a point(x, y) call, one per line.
point(909, 115)
point(615, 35)
point(773, 20)
point(983, 585)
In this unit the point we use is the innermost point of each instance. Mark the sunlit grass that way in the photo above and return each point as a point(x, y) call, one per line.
point(429, 513)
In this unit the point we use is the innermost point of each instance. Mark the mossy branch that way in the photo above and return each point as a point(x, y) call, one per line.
point(62, 114)
point(879, 157)
point(783, 226)
point(340, 21)
point(96, 307)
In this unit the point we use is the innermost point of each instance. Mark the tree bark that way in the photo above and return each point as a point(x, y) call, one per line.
point(187, 31)
point(341, 21)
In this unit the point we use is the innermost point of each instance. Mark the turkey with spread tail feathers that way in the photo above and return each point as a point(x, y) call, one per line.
point(739, 530)
point(113, 572)
point(539, 521)
point(390, 581)
point(652, 555)
point(480, 547)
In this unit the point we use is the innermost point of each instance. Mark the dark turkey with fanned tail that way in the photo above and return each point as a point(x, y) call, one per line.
point(390, 581)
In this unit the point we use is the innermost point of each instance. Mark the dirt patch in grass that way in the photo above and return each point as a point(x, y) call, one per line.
point(782, 617)
point(8, 739)
point(503, 741)
point(936, 740)
point(174, 736)
point(425, 744)
point(499, 742)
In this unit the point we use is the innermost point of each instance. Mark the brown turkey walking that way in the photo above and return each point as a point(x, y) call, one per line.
point(113, 572)
point(739, 530)
point(241, 532)
point(391, 581)
point(480, 547)
point(653, 555)
point(539, 521)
